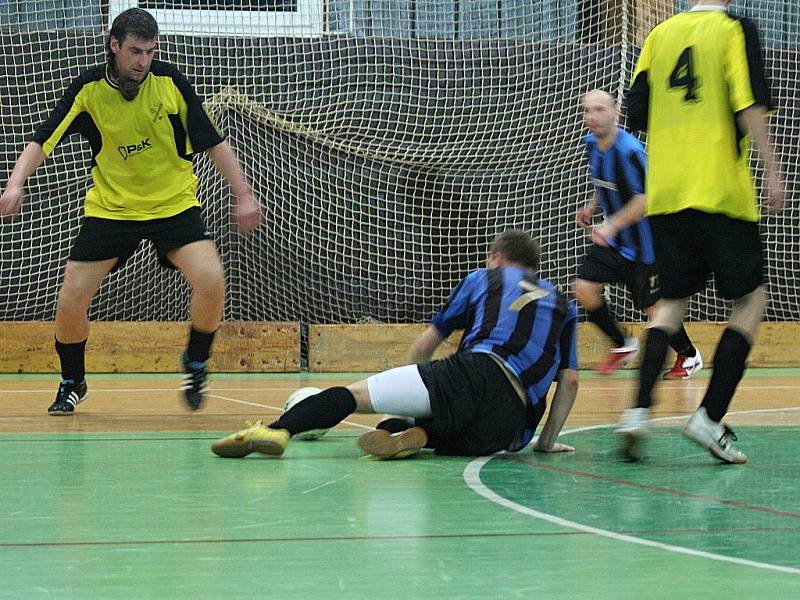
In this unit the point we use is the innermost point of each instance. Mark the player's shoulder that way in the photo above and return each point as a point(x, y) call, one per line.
point(85, 78)
point(91, 74)
point(556, 294)
point(627, 142)
point(474, 277)
point(747, 24)
point(162, 68)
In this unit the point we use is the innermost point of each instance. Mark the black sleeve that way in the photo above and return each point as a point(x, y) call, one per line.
point(755, 63)
point(203, 133)
point(45, 131)
point(637, 103)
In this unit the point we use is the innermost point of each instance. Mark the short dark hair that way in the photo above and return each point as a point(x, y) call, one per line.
point(134, 20)
point(518, 247)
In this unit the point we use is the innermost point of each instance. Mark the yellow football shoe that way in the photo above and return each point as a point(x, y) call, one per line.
point(256, 438)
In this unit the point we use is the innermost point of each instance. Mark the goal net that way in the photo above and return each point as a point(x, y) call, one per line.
point(388, 141)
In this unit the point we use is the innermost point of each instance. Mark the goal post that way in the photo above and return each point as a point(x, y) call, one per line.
point(388, 140)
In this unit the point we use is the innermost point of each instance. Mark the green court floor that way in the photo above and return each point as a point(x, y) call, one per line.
point(158, 516)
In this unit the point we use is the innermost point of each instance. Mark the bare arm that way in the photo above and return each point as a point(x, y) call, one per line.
point(30, 159)
point(585, 214)
point(424, 346)
point(248, 213)
point(630, 214)
point(563, 399)
point(753, 121)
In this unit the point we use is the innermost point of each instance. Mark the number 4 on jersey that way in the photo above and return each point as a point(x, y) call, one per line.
point(683, 76)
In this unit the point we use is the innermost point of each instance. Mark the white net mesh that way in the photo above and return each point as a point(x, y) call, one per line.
point(389, 141)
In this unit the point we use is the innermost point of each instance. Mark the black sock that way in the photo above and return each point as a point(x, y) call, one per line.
point(394, 424)
point(655, 351)
point(681, 343)
point(730, 359)
point(320, 411)
point(603, 318)
point(199, 348)
point(72, 360)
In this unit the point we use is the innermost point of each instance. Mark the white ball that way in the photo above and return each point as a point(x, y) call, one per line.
point(299, 396)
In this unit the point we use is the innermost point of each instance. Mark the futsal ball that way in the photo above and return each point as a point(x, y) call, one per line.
point(299, 396)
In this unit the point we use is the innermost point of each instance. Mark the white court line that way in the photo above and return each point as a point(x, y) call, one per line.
point(472, 477)
point(276, 408)
point(128, 390)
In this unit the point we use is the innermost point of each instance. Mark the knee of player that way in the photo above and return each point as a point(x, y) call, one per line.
point(360, 391)
point(74, 297)
point(586, 293)
point(755, 301)
point(209, 280)
point(748, 311)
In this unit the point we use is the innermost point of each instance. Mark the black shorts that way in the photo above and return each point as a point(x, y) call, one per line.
point(101, 239)
point(606, 265)
point(475, 409)
point(691, 244)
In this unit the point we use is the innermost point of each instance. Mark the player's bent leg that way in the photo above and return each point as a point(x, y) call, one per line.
point(80, 285)
point(588, 293)
point(402, 392)
point(81, 282)
point(200, 264)
point(398, 391)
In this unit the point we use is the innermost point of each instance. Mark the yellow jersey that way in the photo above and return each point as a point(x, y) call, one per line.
point(696, 71)
point(142, 148)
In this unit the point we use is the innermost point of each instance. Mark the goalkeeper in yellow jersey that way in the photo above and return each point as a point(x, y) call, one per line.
point(144, 122)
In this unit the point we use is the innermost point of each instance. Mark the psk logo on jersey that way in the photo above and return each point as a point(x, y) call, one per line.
point(155, 110)
point(608, 185)
point(134, 149)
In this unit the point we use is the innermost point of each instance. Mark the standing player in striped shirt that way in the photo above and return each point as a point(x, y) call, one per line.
point(519, 336)
point(700, 92)
point(622, 250)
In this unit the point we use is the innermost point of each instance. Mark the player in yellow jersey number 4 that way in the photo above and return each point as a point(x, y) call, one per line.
point(700, 92)
point(144, 122)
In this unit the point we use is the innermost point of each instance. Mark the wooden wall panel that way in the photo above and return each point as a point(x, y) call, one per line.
point(153, 347)
point(370, 348)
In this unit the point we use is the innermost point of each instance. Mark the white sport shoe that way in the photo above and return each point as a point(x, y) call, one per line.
point(633, 427)
point(619, 357)
point(715, 437)
point(684, 366)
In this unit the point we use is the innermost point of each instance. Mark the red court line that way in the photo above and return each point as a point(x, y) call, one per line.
point(658, 489)
point(363, 538)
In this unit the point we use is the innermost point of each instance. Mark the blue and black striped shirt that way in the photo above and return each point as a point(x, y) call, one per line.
point(524, 321)
point(618, 174)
